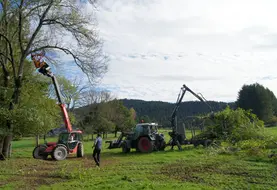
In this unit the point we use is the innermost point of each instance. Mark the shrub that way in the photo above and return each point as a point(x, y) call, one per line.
point(234, 126)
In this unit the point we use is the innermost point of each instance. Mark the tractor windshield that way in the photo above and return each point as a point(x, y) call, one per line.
point(153, 128)
point(63, 138)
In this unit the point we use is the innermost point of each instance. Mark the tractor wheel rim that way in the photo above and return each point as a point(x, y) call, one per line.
point(60, 154)
point(145, 144)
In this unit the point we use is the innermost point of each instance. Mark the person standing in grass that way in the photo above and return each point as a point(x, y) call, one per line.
point(97, 149)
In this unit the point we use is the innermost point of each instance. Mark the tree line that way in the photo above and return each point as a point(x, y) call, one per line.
point(260, 100)
point(160, 112)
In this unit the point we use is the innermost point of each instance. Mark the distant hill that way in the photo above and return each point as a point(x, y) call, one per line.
point(160, 112)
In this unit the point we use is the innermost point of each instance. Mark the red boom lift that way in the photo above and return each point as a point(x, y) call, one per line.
point(69, 142)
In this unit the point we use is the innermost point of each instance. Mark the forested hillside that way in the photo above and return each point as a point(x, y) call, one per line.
point(157, 111)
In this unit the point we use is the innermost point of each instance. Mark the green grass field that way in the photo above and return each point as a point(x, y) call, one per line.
point(192, 168)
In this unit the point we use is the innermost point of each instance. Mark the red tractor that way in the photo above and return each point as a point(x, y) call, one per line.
point(69, 142)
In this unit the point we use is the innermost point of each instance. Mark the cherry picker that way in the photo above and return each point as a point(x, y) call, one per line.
point(69, 142)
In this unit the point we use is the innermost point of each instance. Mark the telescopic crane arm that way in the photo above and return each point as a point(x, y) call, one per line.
point(184, 89)
point(44, 69)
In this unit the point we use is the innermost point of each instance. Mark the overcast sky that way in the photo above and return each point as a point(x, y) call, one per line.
point(214, 47)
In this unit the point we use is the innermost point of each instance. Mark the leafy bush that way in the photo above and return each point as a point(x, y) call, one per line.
point(271, 122)
point(252, 143)
point(224, 148)
point(234, 126)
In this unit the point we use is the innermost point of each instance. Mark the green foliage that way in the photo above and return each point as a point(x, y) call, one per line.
point(36, 114)
point(72, 118)
point(252, 143)
point(69, 91)
point(259, 99)
point(117, 113)
point(107, 117)
point(144, 119)
point(234, 126)
point(133, 113)
point(272, 121)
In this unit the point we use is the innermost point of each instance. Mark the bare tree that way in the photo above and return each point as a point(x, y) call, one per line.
point(70, 91)
point(93, 96)
point(31, 26)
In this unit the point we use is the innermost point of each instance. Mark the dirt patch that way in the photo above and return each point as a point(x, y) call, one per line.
point(183, 172)
point(35, 182)
point(34, 172)
point(217, 173)
point(46, 172)
point(88, 161)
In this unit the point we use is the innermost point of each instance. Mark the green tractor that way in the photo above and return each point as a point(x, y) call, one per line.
point(145, 138)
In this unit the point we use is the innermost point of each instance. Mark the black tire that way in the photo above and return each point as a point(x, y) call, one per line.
point(59, 153)
point(125, 148)
point(80, 150)
point(38, 152)
point(162, 145)
point(207, 142)
point(145, 145)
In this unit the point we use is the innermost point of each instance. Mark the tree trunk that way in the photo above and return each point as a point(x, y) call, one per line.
point(1, 147)
point(37, 140)
point(92, 136)
point(6, 151)
point(115, 134)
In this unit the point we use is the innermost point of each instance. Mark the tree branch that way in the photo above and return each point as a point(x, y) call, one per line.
point(11, 52)
point(65, 50)
point(20, 26)
point(5, 57)
point(34, 9)
point(24, 54)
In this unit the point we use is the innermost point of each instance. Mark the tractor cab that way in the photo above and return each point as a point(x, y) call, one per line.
point(70, 140)
point(145, 129)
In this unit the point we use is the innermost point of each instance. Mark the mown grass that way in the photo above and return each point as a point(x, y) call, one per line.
point(192, 168)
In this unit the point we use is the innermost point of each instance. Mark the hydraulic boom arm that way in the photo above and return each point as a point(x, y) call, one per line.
point(44, 69)
point(184, 89)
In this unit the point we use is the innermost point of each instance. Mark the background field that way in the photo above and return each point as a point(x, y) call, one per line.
point(192, 168)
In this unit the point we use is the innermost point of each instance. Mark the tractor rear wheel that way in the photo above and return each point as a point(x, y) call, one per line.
point(80, 150)
point(59, 153)
point(38, 152)
point(145, 145)
point(125, 148)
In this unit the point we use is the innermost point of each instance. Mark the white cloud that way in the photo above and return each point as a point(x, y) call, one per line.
point(214, 47)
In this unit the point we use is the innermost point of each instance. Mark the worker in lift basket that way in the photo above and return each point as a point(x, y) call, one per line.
point(97, 149)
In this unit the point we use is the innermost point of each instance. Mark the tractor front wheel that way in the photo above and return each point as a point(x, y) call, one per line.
point(80, 150)
point(145, 145)
point(125, 148)
point(38, 152)
point(59, 153)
